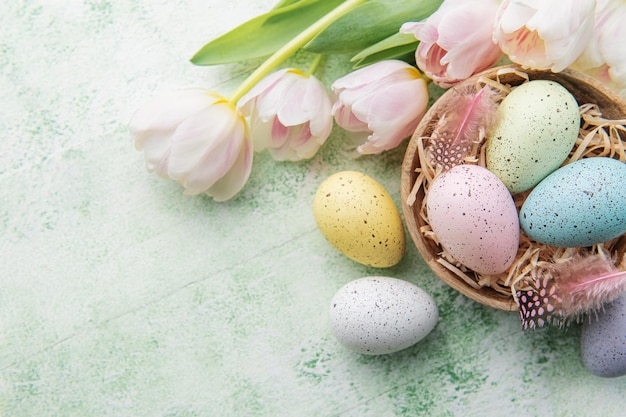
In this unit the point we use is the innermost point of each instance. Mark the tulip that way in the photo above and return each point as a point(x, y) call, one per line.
point(197, 138)
point(605, 55)
point(544, 34)
point(200, 139)
point(456, 41)
point(381, 104)
point(289, 114)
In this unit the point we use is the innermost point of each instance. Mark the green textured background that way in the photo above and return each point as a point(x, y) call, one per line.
point(121, 297)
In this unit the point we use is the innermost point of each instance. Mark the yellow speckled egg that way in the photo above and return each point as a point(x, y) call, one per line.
point(359, 218)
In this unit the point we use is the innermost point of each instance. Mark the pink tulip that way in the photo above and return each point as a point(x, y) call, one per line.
point(605, 55)
point(197, 138)
point(380, 104)
point(456, 41)
point(544, 34)
point(289, 114)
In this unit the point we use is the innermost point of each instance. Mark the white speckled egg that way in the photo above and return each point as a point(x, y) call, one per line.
point(380, 315)
point(536, 128)
point(580, 204)
point(474, 218)
point(603, 340)
point(359, 218)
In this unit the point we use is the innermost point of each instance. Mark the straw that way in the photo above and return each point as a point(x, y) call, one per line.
point(598, 136)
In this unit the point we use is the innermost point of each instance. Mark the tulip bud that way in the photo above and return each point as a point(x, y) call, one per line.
point(197, 138)
point(456, 41)
point(289, 114)
point(381, 104)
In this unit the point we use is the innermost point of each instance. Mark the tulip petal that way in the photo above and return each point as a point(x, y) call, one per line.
point(544, 34)
point(231, 183)
point(248, 100)
point(208, 171)
point(215, 164)
point(294, 108)
point(279, 134)
point(194, 137)
point(282, 112)
point(167, 111)
point(430, 59)
point(298, 145)
point(394, 115)
point(367, 75)
point(468, 41)
point(383, 113)
point(347, 119)
point(154, 124)
point(263, 134)
point(305, 100)
point(423, 31)
point(605, 57)
point(208, 134)
point(321, 122)
point(156, 151)
point(514, 15)
point(269, 103)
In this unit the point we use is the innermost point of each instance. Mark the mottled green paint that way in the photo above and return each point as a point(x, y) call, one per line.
point(119, 296)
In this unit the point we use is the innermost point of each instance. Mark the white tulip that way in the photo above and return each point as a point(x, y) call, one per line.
point(289, 114)
point(197, 138)
point(544, 34)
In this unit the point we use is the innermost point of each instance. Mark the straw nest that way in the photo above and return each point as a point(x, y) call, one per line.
point(602, 133)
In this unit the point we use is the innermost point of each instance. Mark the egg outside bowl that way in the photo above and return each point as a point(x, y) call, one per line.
point(496, 291)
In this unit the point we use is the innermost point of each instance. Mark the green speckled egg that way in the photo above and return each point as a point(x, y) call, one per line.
point(359, 218)
point(536, 128)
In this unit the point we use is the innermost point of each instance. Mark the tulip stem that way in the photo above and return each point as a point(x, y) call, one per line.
point(317, 61)
point(292, 47)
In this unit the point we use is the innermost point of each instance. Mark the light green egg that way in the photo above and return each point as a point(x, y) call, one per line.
point(536, 128)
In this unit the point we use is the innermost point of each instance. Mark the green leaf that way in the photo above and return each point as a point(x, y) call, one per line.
point(264, 34)
point(397, 46)
point(285, 3)
point(369, 23)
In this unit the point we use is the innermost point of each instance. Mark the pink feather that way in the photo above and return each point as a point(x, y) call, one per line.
point(465, 121)
point(566, 290)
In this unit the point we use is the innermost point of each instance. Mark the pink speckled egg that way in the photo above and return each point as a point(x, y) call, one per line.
point(473, 216)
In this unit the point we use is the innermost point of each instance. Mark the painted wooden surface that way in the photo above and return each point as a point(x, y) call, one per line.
point(119, 296)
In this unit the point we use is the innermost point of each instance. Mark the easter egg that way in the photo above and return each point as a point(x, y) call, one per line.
point(580, 204)
point(603, 340)
point(536, 127)
point(380, 315)
point(474, 218)
point(359, 218)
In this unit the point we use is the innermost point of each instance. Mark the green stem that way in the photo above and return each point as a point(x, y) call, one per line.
point(319, 58)
point(292, 47)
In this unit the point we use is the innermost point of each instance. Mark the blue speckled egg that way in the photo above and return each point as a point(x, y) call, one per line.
point(580, 204)
point(379, 315)
point(603, 340)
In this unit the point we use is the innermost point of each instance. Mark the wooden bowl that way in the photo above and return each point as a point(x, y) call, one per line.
point(586, 90)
